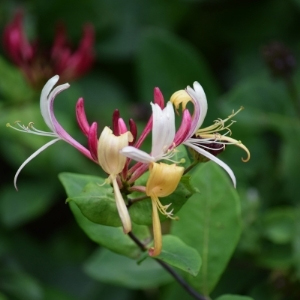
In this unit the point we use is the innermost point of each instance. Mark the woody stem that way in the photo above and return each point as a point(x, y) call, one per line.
point(176, 276)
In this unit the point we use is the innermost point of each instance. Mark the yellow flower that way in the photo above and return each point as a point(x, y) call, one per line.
point(163, 180)
point(112, 162)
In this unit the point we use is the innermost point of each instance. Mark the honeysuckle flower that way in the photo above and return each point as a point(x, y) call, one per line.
point(163, 180)
point(190, 133)
point(200, 139)
point(104, 150)
point(38, 64)
point(48, 95)
point(163, 134)
point(112, 162)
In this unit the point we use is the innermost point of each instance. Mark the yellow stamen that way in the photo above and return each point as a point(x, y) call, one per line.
point(219, 125)
point(228, 140)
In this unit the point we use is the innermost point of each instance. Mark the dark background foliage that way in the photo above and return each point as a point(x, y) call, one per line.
point(244, 53)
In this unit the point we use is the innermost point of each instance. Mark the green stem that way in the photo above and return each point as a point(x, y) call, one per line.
point(132, 201)
point(176, 276)
point(190, 167)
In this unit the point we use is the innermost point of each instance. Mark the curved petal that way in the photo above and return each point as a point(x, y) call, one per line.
point(213, 158)
point(182, 133)
point(137, 154)
point(200, 106)
point(163, 129)
point(44, 100)
point(32, 156)
point(58, 128)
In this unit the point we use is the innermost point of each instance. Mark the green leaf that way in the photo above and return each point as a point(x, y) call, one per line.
point(176, 253)
point(210, 222)
point(13, 85)
point(279, 224)
point(141, 212)
point(74, 183)
point(108, 267)
point(20, 285)
point(3, 297)
point(234, 297)
point(97, 203)
point(109, 237)
point(174, 66)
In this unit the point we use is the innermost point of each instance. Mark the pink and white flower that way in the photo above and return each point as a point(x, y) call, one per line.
point(56, 131)
point(165, 138)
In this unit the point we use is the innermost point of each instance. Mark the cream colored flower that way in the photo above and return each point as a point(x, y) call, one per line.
point(112, 162)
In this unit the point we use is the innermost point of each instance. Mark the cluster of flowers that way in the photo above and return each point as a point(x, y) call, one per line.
point(118, 152)
point(38, 64)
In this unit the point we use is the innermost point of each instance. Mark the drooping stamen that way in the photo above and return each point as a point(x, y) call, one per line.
point(31, 129)
point(219, 125)
point(226, 140)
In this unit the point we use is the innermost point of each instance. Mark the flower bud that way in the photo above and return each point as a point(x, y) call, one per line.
point(180, 97)
point(109, 146)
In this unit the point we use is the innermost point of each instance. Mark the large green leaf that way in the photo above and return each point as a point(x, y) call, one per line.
point(30, 201)
point(97, 203)
point(176, 253)
point(210, 222)
point(20, 285)
point(107, 236)
point(13, 85)
point(109, 267)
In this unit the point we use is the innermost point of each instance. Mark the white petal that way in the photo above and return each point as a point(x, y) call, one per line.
point(200, 102)
point(213, 158)
point(50, 101)
point(137, 154)
point(44, 100)
point(32, 156)
point(163, 129)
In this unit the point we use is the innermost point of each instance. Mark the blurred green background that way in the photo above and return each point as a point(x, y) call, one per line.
point(244, 53)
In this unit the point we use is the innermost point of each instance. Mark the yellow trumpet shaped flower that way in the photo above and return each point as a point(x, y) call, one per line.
point(163, 180)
